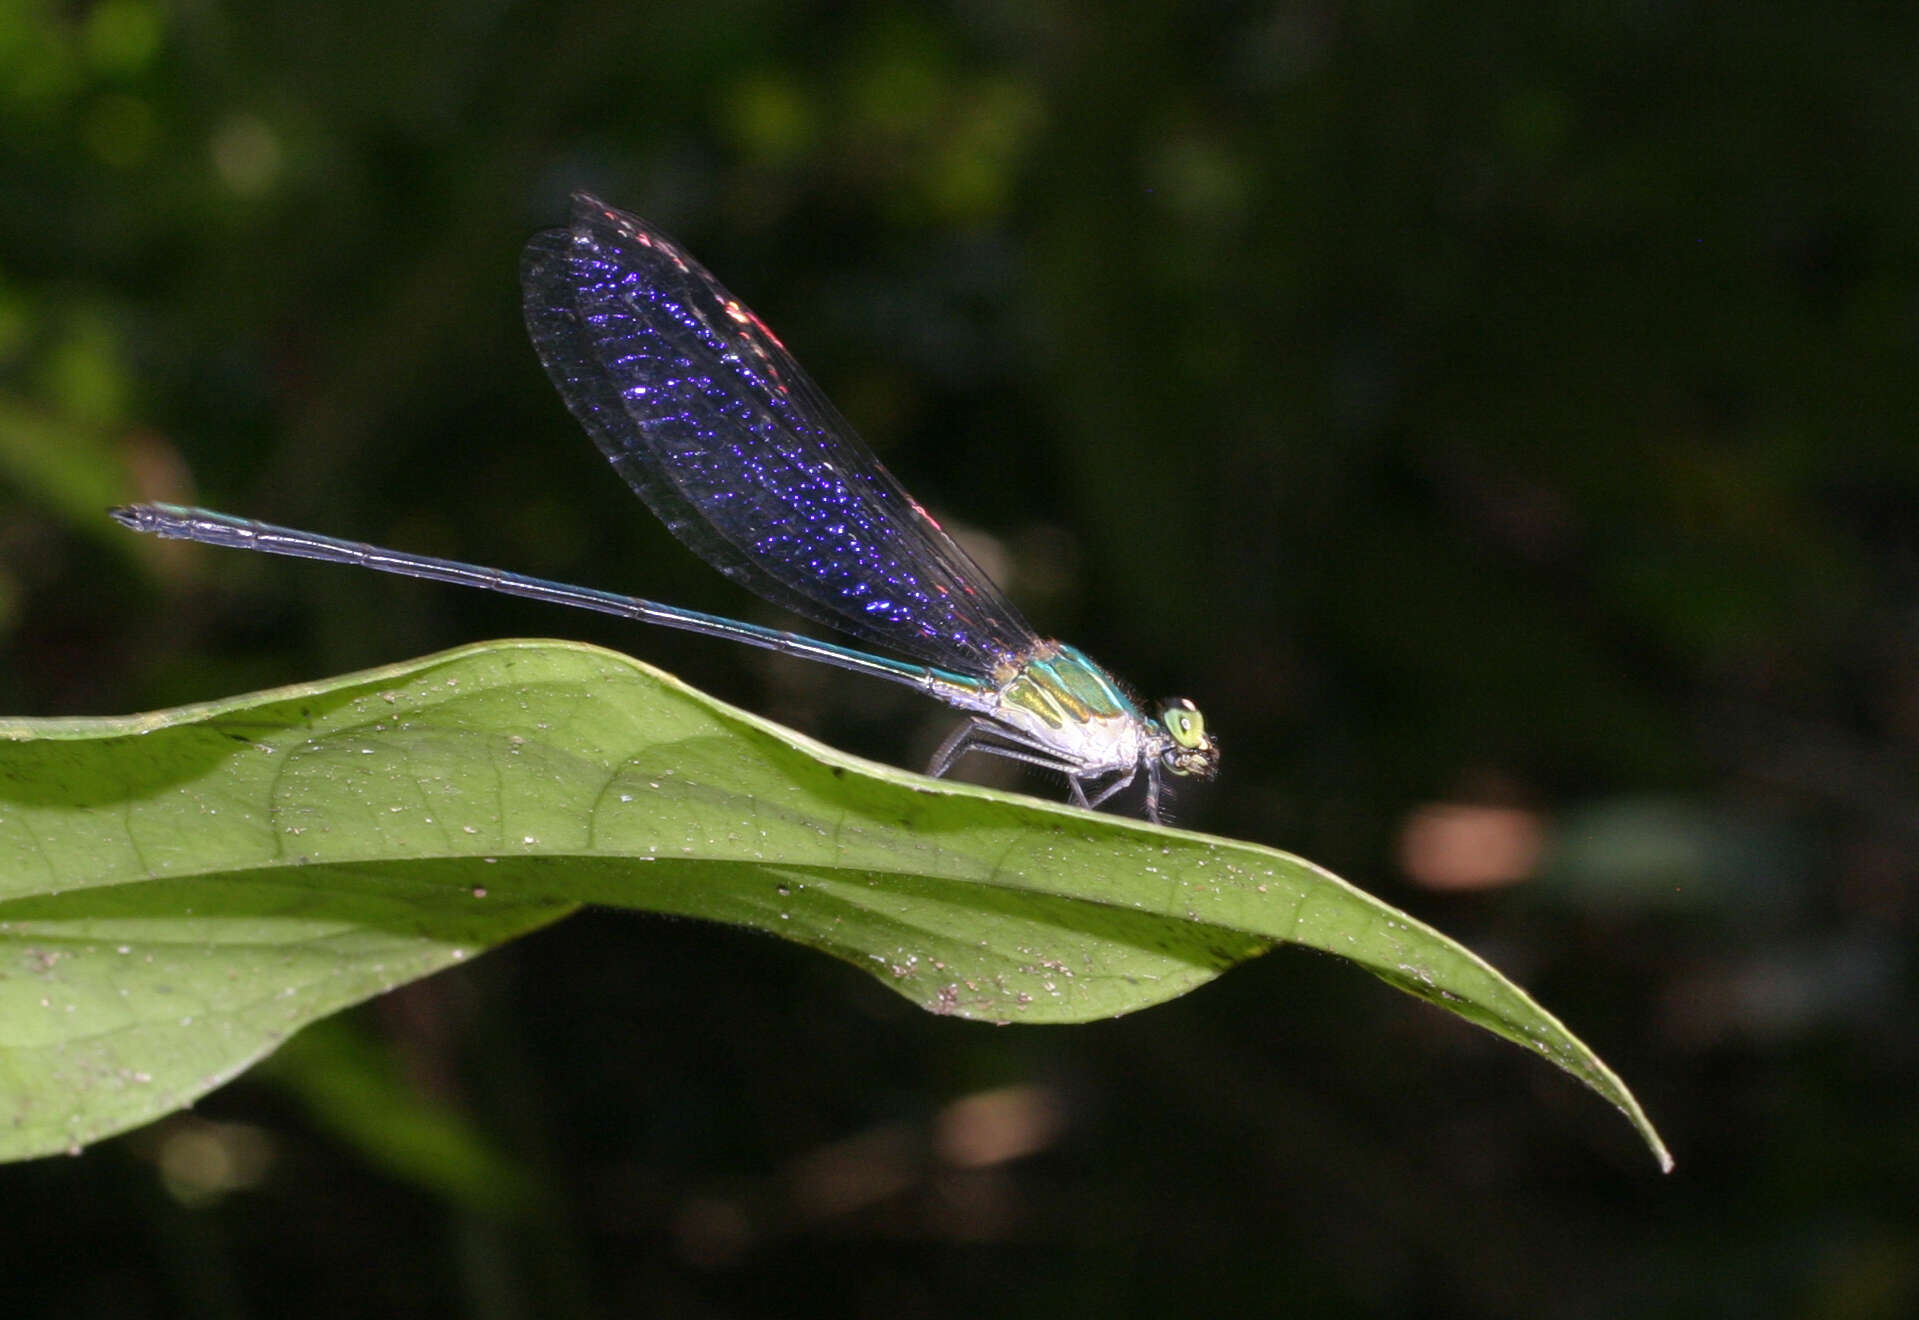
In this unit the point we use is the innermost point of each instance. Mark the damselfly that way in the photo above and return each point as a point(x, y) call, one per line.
point(710, 420)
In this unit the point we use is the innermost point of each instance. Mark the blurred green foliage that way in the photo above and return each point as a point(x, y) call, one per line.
point(1472, 404)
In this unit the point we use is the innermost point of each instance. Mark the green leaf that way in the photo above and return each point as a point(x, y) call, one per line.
point(182, 890)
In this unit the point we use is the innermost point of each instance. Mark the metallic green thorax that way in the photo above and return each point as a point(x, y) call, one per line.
point(1066, 688)
point(1056, 709)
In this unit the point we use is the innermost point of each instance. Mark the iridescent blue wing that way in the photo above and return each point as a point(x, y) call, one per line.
point(711, 421)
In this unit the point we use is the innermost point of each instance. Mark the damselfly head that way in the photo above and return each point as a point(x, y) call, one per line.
point(1190, 749)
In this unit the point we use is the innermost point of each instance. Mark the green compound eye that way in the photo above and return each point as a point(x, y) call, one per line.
point(1190, 751)
point(1184, 723)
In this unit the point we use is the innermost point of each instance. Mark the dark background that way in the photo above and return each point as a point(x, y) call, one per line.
point(1497, 417)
